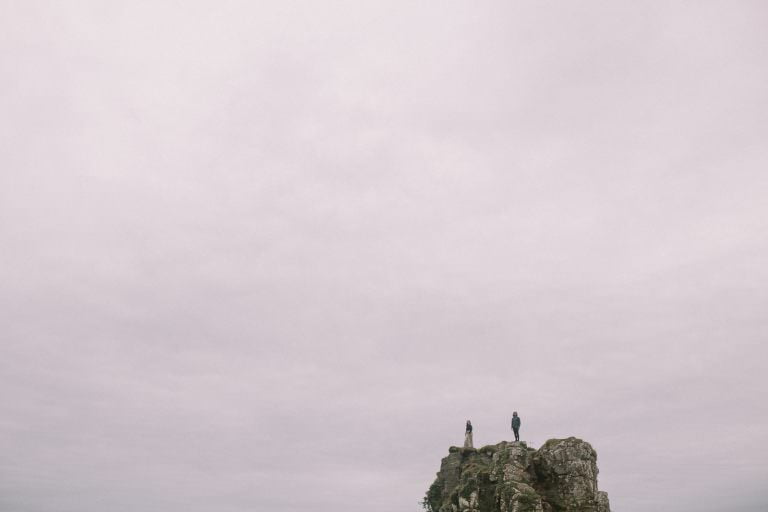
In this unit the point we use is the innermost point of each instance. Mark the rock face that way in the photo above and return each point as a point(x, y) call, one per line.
point(561, 476)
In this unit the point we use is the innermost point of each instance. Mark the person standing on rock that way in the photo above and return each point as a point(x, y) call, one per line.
point(516, 425)
point(468, 436)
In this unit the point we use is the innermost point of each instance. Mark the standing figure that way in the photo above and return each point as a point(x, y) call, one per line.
point(468, 436)
point(516, 425)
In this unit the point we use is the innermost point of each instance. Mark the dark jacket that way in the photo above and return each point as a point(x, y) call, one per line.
point(515, 421)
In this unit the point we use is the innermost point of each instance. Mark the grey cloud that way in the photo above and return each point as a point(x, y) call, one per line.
point(271, 256)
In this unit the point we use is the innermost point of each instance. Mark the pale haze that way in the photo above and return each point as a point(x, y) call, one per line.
point(271, 256)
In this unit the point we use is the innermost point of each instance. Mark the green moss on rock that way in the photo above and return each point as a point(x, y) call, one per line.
point(511, 477)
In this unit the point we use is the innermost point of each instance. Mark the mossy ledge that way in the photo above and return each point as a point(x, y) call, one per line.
point(561, 476)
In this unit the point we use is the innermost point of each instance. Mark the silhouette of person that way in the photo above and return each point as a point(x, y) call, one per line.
point(516, 425)
point(468, 436)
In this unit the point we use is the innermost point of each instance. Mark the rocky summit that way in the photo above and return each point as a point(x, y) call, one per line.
point(561, 476)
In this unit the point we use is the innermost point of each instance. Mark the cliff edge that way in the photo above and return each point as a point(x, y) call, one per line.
point(561, 476)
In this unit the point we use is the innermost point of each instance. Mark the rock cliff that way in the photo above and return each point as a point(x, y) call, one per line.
point(561, 476)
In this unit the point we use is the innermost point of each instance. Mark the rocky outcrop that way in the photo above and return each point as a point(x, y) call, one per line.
point(561, 476)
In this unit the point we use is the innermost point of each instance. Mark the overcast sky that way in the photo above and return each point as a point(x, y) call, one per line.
point(270, 256)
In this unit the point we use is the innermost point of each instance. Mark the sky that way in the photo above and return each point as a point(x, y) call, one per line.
point(272, 255)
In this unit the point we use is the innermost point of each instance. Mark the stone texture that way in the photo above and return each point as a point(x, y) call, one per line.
point(511, 477)
point(566, 470)
point(602, 502)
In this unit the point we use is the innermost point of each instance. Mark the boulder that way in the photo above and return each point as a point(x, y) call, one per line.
point(561, 476)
